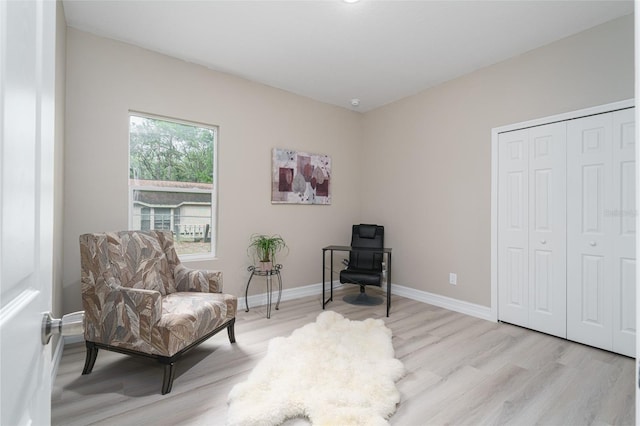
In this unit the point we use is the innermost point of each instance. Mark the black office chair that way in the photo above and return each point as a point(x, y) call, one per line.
point(364, 267)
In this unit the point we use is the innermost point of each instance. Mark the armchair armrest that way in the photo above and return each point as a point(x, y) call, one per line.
point(141, 306)
point(198, 280)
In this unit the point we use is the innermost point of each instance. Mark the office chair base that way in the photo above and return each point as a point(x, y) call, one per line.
point(362, 299)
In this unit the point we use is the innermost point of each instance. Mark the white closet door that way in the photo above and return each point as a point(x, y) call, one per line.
point(547, 229)
point(566, 217)
point(624, 218)
point(590, 232)
point(513, 223)
point(532, 228)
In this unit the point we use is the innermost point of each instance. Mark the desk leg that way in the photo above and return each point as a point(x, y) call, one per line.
point(269, 289)
point(279, 290)
point(331, 277)
point(324, 269)
point(388, 283)
point(324, 256)
point(246, 293)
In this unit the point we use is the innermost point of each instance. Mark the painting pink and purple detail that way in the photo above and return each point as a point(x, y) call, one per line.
point(300, 177)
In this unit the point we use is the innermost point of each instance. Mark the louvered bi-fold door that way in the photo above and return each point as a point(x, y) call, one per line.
point(601, 231)
point(532, 228)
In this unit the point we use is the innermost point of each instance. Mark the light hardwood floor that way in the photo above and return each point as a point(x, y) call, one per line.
point(460, 370)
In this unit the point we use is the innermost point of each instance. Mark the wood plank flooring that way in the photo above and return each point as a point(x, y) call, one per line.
point(460, 370)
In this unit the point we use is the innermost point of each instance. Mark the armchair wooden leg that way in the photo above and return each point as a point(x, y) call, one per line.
point(231, 331)
point(90, 359)
point(169, 374)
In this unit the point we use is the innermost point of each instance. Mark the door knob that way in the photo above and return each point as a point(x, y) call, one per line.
point(543, 241)
point(69, 325)
point(592, 243)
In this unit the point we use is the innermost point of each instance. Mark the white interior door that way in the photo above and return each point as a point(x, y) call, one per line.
point(624, 218)
point(27, 57)
point(547, 229)
point(513, 225)
point(590, 242)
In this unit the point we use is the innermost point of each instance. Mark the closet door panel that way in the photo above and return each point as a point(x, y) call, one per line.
point(623, 217)
point(592, 290)
point(547, 228)
point(513, 218)
point(589, 237)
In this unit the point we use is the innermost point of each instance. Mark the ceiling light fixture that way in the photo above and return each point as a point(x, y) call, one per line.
point(351, 1)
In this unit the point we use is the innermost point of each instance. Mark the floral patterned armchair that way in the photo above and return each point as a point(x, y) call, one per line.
point(139, 299)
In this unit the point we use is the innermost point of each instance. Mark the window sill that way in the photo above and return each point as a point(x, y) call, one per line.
point(185, 258)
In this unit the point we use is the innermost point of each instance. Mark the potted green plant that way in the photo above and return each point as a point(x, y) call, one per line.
point(265, 248)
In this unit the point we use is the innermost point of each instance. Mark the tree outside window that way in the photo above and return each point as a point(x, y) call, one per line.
point(171, 180)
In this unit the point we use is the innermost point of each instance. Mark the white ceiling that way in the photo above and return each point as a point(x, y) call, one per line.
point(332, 51)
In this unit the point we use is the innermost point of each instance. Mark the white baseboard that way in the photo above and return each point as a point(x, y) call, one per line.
point(57, 353)
point(55, 359)
point(287, 294)
point(467, 308)
point(68, 340)
point(478, 311)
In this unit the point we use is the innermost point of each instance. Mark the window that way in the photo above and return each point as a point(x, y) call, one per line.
point(172, 180)
point(145, 219)
point(162, 219)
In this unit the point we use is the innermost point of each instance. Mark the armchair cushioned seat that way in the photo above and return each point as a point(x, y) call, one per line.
point(139, 299)
point(187, 316)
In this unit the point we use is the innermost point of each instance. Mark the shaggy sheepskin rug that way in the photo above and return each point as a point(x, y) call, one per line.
point(334, 372)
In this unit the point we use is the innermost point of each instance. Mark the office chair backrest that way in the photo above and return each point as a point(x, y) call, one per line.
point(366, 236)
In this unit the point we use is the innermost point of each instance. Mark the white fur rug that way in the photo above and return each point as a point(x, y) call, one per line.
point(334, 371)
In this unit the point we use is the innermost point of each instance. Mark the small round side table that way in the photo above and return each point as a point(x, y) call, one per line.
point(269, 274)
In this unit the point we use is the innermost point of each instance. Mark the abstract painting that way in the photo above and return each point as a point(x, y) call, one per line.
point(300, 177)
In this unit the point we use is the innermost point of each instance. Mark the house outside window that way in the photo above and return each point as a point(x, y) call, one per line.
point(172, 181)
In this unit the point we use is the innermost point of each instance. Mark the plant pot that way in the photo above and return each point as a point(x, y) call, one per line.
point(266, 266)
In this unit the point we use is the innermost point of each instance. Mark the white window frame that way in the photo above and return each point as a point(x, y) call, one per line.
point(214, 190)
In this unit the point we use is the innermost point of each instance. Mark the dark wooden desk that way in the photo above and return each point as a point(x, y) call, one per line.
point(350, 249)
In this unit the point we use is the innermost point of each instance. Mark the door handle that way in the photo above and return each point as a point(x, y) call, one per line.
point(592, 243)
point(543, 241)
point(69, 325)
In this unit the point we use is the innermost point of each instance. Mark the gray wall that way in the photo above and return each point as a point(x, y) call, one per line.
point(420, 166)
point(106, 79)
point(431, 186)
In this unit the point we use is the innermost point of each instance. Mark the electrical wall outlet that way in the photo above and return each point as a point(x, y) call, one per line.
point(453, 278)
